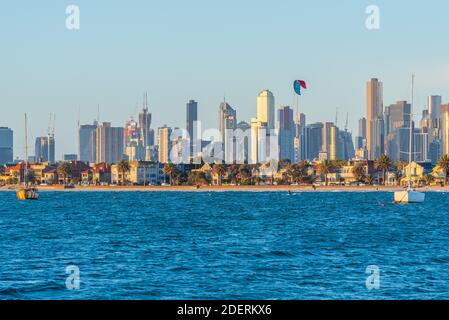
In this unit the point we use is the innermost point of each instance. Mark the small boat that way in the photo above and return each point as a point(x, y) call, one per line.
point(26, 192)
point(410, 195)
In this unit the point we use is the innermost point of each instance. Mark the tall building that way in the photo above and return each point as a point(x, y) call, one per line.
point(191, 118)
point(44, 149)
point(134, 148)
point(146, 133)
point(87, 143)
point(164, 144)
point(227, 120)
point(265, 108)
point(315, 140)
point(244, 147)
point(445, 132)
point(299, 143)
point(362, 128)
point(374, 118)
point(259, 132)
point(110, 143)
point(334, 141)
point(434, 107)
point(326, 138)
point(397, 130)
point(6, 145)
point(346, 149)
point(286, 135)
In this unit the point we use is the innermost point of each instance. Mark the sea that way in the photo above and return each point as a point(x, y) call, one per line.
point(223, 245)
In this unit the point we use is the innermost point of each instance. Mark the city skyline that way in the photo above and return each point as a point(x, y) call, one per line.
point(49, 69)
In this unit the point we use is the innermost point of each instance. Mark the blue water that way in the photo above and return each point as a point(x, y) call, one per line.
point(140, 245)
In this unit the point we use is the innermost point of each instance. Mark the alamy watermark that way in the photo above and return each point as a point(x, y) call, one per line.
point(72, 21)
point(72, 281)
point(373, 279)
point(373, 20)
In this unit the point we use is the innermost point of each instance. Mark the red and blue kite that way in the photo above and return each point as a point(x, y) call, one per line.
point(298, 84)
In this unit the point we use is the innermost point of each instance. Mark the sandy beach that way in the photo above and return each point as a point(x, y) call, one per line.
point(269, 188)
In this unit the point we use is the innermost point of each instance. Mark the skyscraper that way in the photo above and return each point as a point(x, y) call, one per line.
point(227, 120)
point(6, 145)
point(145, 124)
point(265, 108)
point(286, 135)
point(191, 118)
point(444, 117)
point(244, 146)
point(315, 140)
point(259, 131)
point(397, 130)
point(110, 143)
point(87, 142)
point(44, 149)
point(133, 144)
point(374, 118)
point(164, 144)
point(334, 142)
point(434, 107)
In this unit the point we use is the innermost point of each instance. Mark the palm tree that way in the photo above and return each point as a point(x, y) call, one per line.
point(324, 168)
point(220, 170)
point(444, 165)
point(291, 173)
point(383, 164)
point(123, 167)
point(428, 178)
point(169, 170)
point(65, 170)
point(358, 171)
point(369, 179)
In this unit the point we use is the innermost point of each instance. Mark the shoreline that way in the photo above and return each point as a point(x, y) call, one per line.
point(359, 189)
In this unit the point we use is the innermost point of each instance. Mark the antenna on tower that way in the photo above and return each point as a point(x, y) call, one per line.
point(346, 123)
point(336, 117)
point(98, 113)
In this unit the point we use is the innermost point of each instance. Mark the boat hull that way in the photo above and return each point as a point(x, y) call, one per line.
point(27, 194)
point(409, 197)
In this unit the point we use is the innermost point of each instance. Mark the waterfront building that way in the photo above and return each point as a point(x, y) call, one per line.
point(87, 142)
point(44, 149)
point(140, 173)
point(6, 145)
point(374, 115)
point(109, 143)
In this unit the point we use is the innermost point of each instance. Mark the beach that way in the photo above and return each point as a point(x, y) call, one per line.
point(230, 188)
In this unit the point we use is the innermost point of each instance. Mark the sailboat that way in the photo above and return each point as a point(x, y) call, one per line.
point(410, 195)
point(25, 192)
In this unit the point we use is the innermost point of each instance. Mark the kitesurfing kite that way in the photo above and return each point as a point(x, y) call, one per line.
point(298, 84)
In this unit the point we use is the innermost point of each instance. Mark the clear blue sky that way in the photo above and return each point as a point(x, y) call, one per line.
point(181, 50)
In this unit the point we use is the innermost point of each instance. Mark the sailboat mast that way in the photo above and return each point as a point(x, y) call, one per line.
point(411, 133)
point(26, 152)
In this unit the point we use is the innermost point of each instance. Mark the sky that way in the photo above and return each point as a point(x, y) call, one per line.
point(205, 50)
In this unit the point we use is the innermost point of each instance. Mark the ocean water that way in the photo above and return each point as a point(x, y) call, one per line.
point(243, 245)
